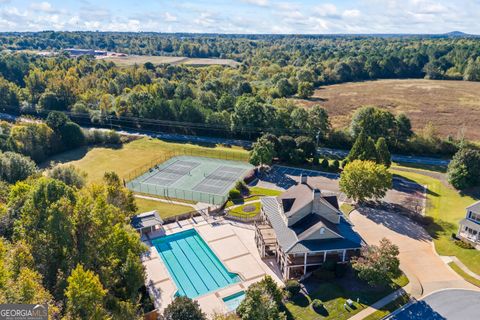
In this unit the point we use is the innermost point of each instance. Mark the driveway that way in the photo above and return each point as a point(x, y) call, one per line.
point(446, 304)
point(418, 259)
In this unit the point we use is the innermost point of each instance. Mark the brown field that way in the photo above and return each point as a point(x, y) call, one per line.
point(131, 60)
point(451, 106)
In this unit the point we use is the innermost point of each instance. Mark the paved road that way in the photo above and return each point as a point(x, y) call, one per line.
point(248, 144)
point(445, 304)
point(418, 259)
point(395, 157)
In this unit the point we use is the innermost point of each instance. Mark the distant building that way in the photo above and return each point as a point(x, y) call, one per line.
point(83, 52)
point(304, 228)
point(469, 229)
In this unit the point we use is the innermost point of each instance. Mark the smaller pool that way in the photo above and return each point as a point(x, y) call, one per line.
point(232, 302)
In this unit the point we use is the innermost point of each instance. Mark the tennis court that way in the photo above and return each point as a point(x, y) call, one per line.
point(191, 178)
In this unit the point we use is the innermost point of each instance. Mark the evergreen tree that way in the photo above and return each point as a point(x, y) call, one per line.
point(383, 155)
point(363, 149)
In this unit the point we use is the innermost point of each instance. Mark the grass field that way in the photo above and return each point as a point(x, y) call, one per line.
point(449, 105)
point(164, 209)
point(447, 207)
point(334, 294)
point(463, 274)
point(139, 60)
point(389, 308)
point(137, 154)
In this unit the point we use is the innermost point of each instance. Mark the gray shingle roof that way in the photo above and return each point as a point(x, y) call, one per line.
point(288, 238)
point(475, 207)
point(146, 219)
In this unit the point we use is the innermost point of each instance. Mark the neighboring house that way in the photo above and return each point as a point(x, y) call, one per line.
point(470, 226)
point(303, 228)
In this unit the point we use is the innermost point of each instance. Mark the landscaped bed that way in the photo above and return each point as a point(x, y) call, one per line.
point(255, 194)
point(334, 294)
point(246, 211)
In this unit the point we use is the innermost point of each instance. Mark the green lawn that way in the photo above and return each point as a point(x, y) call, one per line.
point(389, 308)
point(131, 156)
point(447, 207)
point(333, 295)
point(256, 194)
point(165, 210)
point(346, 208)
point(239, 211)
point(466, 276)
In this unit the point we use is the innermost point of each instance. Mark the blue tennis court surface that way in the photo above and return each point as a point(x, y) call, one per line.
point(193, 266)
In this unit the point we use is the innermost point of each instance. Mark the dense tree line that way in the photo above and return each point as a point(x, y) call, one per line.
point(245, 102)
point(70, 247)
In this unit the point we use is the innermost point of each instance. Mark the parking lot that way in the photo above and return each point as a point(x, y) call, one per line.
point(404, 193)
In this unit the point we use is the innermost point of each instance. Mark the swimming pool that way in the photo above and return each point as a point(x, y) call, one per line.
point(232, 302)
point(193, 266)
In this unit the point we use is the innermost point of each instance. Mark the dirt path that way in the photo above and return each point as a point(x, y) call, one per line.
point(418, 259)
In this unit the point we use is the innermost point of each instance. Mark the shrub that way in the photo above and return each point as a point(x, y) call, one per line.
point(464, 244)
point(335, 166)
point(234, 194)
point(293, 287)
point(250, 176)
point(324, 164)
point(96, 136)
point(318, 307)
point(329, 265)
point(242, 187)
point(344, 163)
point(317, 303)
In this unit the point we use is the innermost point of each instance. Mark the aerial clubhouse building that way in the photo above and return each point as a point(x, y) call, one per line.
point(304, 228)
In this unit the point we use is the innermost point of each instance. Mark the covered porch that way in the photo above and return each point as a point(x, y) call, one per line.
point(469, 231)
point(299, 264)
point(266, 240)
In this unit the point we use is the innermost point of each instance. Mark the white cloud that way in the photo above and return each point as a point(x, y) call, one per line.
point(42, 6)
point(168, 17)
point(325, 10)
point(261, 3)
point(352, 13)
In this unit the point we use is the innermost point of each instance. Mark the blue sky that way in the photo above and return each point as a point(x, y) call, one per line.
point(244, 16)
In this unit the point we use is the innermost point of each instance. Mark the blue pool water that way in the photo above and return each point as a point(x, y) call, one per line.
point(193, 266)
point(234, 300)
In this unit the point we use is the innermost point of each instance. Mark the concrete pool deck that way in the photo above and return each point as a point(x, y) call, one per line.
point(233, 243)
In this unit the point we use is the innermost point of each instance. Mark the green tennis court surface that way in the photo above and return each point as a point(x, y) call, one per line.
point(191, 178)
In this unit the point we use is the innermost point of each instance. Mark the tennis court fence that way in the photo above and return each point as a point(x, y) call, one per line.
point(214, 154)
point(136, 185)
point(174, 193)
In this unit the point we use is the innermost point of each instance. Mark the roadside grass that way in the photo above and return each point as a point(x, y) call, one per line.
point(463, 274)
point(447, 207)
point(389, 308)
point(346, 208)
point(239, 211)
point(129, 157)
point(164, 209)
point(334, 294)
point(426, 167)
point(256, 194)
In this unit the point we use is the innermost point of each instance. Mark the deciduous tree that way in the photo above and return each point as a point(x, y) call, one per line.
point(362, 180)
